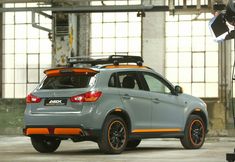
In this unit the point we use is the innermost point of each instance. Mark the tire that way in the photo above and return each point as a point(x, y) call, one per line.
point(194, 134)
point(133, 143)
point(45, 144)
point(113, 139)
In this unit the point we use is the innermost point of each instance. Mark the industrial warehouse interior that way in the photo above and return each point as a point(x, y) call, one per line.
point(176, 38)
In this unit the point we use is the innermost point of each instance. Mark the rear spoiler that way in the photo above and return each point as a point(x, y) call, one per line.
point(58, 71)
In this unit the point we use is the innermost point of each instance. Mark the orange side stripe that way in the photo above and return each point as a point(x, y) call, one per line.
point(69, 131)
point(31, 131)
point(156, 130)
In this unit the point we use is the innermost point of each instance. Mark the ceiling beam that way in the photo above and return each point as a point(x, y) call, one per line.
point(46, 1)
point(119, 8)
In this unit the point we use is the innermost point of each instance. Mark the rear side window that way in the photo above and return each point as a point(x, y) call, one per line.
point(68, 81)
point(128, 80)
point(113, 80)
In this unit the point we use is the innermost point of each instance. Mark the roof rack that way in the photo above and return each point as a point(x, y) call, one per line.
point(113, 59)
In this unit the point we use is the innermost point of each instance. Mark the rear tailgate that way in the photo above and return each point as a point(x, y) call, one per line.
point(56, 101)
point(58, 87)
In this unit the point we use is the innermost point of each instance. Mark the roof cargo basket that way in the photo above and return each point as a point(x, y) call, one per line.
point(113, 59)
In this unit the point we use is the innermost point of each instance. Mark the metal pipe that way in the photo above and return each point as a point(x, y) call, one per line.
point(45, 14)
point(121, 8)
point(35, 25)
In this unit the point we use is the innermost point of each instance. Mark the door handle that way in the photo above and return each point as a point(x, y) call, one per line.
point(126, 96)
point(156, 100)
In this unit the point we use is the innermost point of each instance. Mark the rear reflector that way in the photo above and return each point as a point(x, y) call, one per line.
point(67, 131)
point(32, 131)
point(56, 131)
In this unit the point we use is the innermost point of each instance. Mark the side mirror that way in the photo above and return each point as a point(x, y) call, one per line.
point(178, 89)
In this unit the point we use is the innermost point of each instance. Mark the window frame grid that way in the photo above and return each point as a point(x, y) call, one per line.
point(40, 37)
point(115, 37)
point(193, 50)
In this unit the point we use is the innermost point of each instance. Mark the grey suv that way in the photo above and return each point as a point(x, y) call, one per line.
point(113, 104)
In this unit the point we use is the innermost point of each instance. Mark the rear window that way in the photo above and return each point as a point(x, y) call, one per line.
point(68, 81)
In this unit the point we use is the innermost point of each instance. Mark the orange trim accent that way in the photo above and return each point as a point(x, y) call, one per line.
point(190, 130)
point(76, 70)
point(156, 130)
point(197, 109)
point(31, 131)
point(123, 66)
point(109, 128)
point(67, 131)
point(118, 110)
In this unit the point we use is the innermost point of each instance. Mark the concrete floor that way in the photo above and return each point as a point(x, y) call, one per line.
point(14, 149)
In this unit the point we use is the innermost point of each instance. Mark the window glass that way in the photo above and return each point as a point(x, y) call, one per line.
point(198, 75)
point(26, 51)
point(33, 76)
point(20, 31)
point(121, 17)
point(184, 28)
point(171, 59)
point(8, 61)
point(155, 84)
point(9, 46)
point(8, 76)
point(112, 81)
point(185, 59)
point(9, 31)
point(108, 29)
point(108, 45)
point(169, 27)
point(211, 90)
point(20, 90)
point(198, 28)
point(172, 74)
point(66, 81)
point(198, 43)
point(198, 59)
point(185, 44)
point(33, 61)
point(115, 33)
point(194, 65)
point(8, 90)
point(9, 18)
point(20, 76)
point(183, 77)
point(20, 61)
point(129, 80)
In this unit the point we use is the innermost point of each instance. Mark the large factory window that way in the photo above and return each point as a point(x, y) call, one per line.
point(191, 54)
point(115, 33)
point(26, 52)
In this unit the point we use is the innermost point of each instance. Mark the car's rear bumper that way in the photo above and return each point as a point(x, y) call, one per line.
point(77, 133)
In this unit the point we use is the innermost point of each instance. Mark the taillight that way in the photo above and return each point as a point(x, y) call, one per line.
point(91, 96)
point(32, 99)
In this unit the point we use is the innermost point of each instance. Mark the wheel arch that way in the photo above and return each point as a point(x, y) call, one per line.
point(199, 112)
point(123, 114)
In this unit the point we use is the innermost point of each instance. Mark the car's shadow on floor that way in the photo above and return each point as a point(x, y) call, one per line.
point(127, 151)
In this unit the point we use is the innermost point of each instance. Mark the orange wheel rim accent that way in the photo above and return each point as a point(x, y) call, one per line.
point(116, 135)
point(197, 133)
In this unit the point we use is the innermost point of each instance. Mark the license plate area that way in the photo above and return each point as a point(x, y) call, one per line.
point(55, 102)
